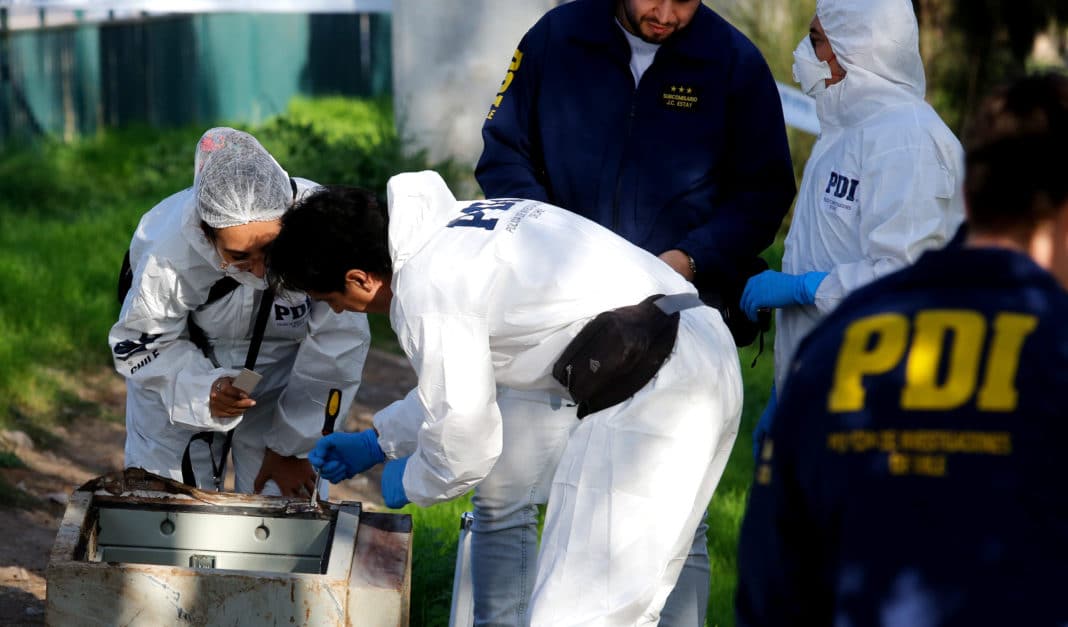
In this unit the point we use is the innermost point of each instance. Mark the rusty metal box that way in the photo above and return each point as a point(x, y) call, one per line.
point(138, 549)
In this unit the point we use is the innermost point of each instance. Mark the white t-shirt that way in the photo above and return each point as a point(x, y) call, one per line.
point(642, 53)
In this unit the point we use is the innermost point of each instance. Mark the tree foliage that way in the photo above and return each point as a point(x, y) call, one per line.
point(969, 46)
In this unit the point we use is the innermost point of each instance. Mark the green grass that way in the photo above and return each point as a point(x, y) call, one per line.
point(437, 529)
point(728, 504)
point(65, 218)
point(10, 460)
point(382, 335)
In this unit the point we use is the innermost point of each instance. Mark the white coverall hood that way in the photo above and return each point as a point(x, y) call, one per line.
point(877, 43)
point(419, 203)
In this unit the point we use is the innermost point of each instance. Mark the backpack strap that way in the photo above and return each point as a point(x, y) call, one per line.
point(125, 278)
point(677, 302)
point(188, 477)
point(266, 304)
point(219, 289)
point(218, 470)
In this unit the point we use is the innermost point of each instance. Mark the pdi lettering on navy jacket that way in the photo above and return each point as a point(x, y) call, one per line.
point(914, 473)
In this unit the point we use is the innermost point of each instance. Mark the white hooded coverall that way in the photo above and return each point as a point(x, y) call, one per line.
point(489, 293)
point(884, 180)
point(307, 349)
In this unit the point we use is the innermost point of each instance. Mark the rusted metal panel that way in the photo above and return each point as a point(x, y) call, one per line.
point(381, 566)
point(365, 578)
point(134, 594)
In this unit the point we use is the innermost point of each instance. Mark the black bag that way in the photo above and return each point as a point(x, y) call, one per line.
point(620, 351)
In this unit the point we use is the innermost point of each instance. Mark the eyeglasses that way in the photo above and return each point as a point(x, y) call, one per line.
point(243, 265)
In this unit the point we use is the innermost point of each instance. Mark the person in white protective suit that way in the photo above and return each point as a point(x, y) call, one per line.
point(883, 182)
point(176, 389)
point(490, 293)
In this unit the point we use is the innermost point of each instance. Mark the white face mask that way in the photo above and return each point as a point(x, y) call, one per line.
point(809, 71)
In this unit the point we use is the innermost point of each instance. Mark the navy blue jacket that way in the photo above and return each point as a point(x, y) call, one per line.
point(916, 476)
point(695, 158)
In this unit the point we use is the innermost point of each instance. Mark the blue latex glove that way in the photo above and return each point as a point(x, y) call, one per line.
point(763, 425)
point(343, 455)
point(775, 289)
point(393, 483)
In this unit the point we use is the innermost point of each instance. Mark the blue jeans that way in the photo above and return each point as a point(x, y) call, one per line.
point(504, 534)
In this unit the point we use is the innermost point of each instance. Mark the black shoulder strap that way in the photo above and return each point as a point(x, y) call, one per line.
point(125, 278)
point(188, 477)
point(219, 289)
point(266, 304)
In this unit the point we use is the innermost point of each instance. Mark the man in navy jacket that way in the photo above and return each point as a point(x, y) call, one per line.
point(662, 122)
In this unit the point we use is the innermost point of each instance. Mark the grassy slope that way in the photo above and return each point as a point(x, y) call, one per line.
point(65, 218)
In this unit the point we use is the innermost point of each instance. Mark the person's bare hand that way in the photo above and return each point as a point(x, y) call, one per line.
point(226, 401)
point(294, 476)
point(679, 262)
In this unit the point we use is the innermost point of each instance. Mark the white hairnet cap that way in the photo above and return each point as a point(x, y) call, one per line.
point(237, 181)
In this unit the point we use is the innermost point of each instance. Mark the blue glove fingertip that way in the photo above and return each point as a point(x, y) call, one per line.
point(744, 302)
point(333, 467)
point(393, 483)
point(760, 291)
point(320, 449)
point(317, 458)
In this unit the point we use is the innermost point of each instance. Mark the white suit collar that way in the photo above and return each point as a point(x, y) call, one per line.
point(419, 204)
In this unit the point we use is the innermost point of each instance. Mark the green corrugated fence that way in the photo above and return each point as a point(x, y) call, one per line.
point(184, 69)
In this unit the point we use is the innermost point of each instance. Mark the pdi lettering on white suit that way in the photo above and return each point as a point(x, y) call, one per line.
point(842, 186)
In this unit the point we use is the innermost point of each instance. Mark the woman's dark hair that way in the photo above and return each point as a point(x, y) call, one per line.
point(331, 231)
point(1016, 173)
point(208, 230)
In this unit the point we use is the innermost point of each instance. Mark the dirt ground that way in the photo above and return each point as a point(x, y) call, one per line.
point(90, 447)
